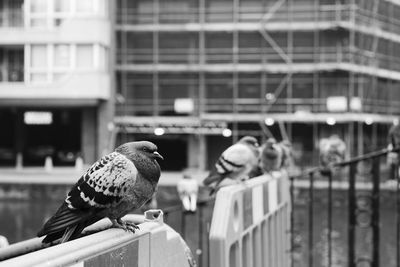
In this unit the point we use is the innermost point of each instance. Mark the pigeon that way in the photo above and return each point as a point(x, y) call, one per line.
point(271, 156)
point(116, 184)
point(187, 190)
point(394, 135)
point(394, 142)
point(287, 154)
point(236, 163)
point(332, 150)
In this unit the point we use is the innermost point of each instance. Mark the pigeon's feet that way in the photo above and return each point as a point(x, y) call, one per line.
point(125, 225)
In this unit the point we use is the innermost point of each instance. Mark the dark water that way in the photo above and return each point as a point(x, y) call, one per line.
point(21, 219)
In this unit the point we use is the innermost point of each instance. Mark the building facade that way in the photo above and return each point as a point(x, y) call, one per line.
point(55, 82)
point(301, 70)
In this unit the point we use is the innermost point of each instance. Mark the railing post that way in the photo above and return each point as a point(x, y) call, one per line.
point(291, 191)
point(329, 238)
point(310, 220)
point(352, 215)
point(375, 211)
point(396, 177)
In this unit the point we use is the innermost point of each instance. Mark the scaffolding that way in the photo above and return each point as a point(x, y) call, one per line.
point(229, 55)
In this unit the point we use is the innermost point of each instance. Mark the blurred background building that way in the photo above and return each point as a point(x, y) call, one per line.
point(55, 80)
point(195, 75)
point(315, 67)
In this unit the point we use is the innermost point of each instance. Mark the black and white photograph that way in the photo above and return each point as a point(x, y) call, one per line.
point(200, 133)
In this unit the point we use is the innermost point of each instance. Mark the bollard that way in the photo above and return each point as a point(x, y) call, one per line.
point(3, 242)
point(79, 164)
point(48, 164)
point(19, 161)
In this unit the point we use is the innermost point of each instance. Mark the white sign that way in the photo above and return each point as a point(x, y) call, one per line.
point(183, 105)
point(38, 117)
point(355, 104)
point(336, 103)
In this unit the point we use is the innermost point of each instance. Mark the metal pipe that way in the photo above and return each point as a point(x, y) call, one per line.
point(396, 177)
point(291, 191)
point(375, 212)
point(310, 220)
point(329, 238)
point(352, 215)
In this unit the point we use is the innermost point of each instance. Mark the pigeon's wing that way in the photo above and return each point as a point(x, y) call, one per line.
point(101, 187)
point(232, 160)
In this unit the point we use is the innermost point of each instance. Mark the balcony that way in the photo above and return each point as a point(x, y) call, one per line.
point(12, 64)
point(11, 13)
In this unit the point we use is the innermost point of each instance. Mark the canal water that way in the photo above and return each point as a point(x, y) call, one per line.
point(23, 211)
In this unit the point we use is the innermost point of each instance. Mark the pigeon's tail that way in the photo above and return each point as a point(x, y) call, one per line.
point(66, 224)
point(211, 179)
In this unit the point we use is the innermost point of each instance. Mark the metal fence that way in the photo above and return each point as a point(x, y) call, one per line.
point(364, 222)
point(361, 184)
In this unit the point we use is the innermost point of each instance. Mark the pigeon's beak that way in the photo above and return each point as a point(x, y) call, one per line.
point(158, 155)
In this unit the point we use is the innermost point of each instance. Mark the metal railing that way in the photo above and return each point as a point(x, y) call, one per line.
point(180, 220)
point(248, 105)
point(292, 12)
point(363, 189)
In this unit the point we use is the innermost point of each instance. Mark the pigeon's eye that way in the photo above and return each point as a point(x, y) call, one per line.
point(145, 149)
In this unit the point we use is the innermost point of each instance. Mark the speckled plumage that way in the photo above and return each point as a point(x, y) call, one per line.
point(116, 184)
point(236, 162)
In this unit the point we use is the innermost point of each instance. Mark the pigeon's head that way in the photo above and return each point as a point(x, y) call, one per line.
point(249, 140)
point(270, 142)
point(145, 148)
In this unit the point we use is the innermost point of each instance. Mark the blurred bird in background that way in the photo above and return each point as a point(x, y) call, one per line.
point(235, 163)
point(116, 184)
point(271, 156)
point(393, 157)
point(188, 188)
point(332, 150)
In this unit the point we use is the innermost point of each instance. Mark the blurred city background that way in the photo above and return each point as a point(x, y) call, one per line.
point(78, 78)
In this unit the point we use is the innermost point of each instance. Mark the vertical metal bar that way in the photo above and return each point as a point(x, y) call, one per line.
point(396, 176)
point(352, 215)
point(310, 220)
point(183, 223)
point(156, 59)
point(200, 244)
point(329, 238)
point(291, 191)
point(375, 211)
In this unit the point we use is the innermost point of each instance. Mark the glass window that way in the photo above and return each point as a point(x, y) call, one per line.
point(38, 6)
point(62, 6)
point(39, 56)
point(84, 56)
point(84, 6)
point(40, 22)
point(59, 76)
point(103, 58)
point(39, 77)
point(61, 56)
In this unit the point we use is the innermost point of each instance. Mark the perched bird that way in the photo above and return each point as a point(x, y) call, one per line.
point(394, 135)
point(116, 184)
point(287, 154)
point(188, 189)
point(236, 163)
point(332, 150)
point(271, 156)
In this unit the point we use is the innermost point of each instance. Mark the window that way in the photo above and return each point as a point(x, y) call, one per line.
point(62, 56)
point(84, 56)
point(38, 6)
point(62, 6)
point(85, 6)
point(39, 56)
